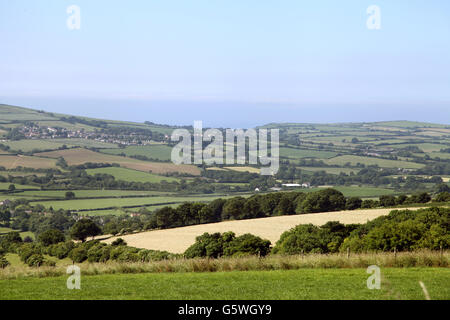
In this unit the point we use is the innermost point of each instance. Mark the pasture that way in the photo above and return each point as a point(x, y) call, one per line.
point(322, 284)
point(91, 204)
point(294, 153)
point(29, 145)
point(384, 163)
point(131, 175)
point(157, 151)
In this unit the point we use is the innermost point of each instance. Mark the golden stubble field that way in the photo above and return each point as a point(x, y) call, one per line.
point(177, 240)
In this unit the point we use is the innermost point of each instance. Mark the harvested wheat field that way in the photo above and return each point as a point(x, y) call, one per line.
point(79, 156)
point(11, 162)
point(177, 240)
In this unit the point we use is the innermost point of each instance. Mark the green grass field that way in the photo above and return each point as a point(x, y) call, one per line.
point(303, 153)
point(330, 170)
point(5, 185)
point(160, 152)
point(121, 202)
point(30, 145)
point(341, 160)
point(323, 284)
point(131, 175)
point(86, 193)
point(86, 143)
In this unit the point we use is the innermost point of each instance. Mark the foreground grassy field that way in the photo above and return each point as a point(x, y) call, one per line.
point(177, 240)
point(339, 284)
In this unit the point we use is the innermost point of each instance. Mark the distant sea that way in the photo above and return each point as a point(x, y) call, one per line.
point(235, 114)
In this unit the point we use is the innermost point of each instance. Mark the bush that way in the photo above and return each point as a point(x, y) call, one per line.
point(322, 201)
point(84, 228)
point(78, 254)
point(51, 236)
point(35, 260)
point(308, 238)
point(27, 250)
point(3, 262)
point(387, 201)
point(227, 244)
point(247, 244)
point(119, 242)
point(353, 203)
point(443, 197)
point(369, 204)
point(404, 230)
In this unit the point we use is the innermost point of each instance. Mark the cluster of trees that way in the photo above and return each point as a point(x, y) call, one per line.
point(38, 222)
point(403, 230)
point(400, 230)
point(308, 238)
point(256, 206)
point(53, 243)
point(227, 245)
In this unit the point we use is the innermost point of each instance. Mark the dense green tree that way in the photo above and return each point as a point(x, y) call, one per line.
point(353, 203)
point(84, 228)
point(233, 209)
point(70, 195)
point(52, 236)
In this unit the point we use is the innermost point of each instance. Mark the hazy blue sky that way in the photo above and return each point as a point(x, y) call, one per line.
point(229, 63)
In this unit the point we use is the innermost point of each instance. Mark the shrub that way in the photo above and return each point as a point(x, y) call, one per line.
point(443, 197)
point(353, 203)
point(119, 242)
point(247, 244)
point(322, 201)
point(78, 254)
point(227, 244)
point(3, 262)
point(84, 228)
point(35, 260)
point(51, 236)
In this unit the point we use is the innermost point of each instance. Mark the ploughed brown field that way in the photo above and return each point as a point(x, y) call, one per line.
point(177, 240)
point(79, 156)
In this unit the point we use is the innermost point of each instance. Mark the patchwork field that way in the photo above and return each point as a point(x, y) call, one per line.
point(80, 156)
point(177, 240)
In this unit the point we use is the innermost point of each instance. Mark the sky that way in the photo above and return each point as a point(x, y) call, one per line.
point(228, 63)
